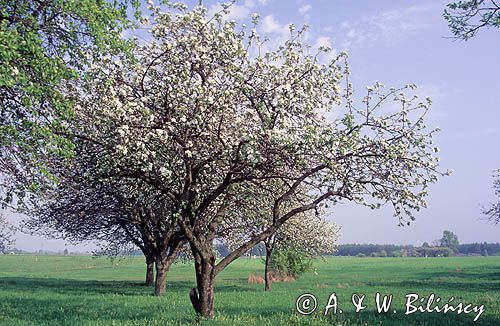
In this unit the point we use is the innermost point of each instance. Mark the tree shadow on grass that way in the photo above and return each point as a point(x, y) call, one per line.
point(79, 287)
point(73, 287)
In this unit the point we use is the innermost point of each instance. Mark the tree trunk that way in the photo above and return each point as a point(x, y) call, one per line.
point(149, 272)
point(161, 278)
point(267, 273)
point(202, 298)
point(163, 261)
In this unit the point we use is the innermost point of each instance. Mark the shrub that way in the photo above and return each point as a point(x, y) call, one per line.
point(291, 262)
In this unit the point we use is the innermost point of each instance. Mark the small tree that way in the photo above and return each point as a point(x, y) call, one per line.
point(449, 240)
point(290, 262)
point(305, 237)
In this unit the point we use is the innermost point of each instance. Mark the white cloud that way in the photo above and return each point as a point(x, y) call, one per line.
point(395, 22)
point(278, 33)
point(237, 11)
point(388, 26)
point(249, 3)
point(325, 41)
point(305, 9)
point(327, 29)
point(270, 25)
point(274, 33)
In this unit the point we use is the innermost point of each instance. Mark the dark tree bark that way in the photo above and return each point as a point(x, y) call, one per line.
point(202, 297)
point(267, 273)
point(164, 260)
point(161, 278)
point(150, 278)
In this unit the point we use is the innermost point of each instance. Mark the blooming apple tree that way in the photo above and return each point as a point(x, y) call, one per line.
point(201, 111)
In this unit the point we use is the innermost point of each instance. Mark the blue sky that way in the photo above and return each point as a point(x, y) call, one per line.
point(398, 43)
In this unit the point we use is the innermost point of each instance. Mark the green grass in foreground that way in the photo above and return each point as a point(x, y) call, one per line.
point(68, 290)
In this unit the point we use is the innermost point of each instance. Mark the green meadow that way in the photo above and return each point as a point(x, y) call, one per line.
point(76, 290)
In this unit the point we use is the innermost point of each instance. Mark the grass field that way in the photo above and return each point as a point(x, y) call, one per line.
point(68, 290)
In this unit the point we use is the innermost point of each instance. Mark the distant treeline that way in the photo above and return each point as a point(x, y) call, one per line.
point(492, 249)
point(360, 250)
point(484, 249)
point(40, 252)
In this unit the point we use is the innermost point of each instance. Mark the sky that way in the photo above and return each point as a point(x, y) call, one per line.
point(399, 43)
